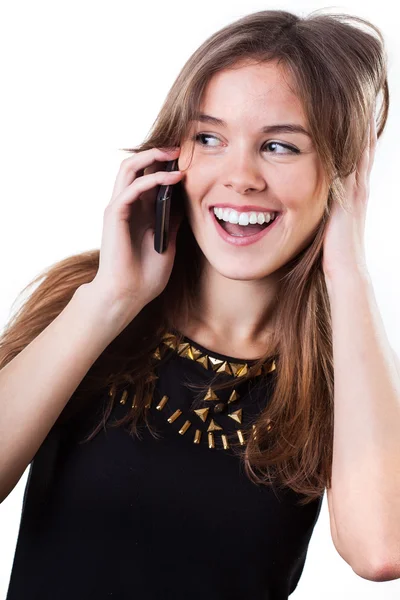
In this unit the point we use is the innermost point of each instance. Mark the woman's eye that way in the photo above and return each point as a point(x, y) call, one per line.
point(292, 150)
point(203, 135)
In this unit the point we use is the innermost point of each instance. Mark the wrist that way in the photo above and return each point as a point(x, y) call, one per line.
point(114, 314)
point(335, 281)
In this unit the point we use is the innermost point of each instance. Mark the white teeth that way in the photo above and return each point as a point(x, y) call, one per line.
point(245, 218)
point(253, 218)
point(233, 217)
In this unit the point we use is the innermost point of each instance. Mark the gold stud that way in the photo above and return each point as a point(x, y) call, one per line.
point(225, 368)
point(173, 417)
point(240, 436)
point(134, 405)
point(210, 395)
point(213, 426)
point(124, 397)
point(215, 362)
point(188, 352)
point(157, 354)
point(112, 390)
point(197, 437)
point(170, 340)
point(272, 367)
point(211, 440)
point(225, 441)
point(162, 403)
point(233, 397)
point(149, 400)
point(196, 353)
point(182, 348)
point(237, 415)
point(254, 432)
point(202, 413)
point(242, 371)
point(203, 361)
point(259, 372)
point(236, 367)
point(185, 427)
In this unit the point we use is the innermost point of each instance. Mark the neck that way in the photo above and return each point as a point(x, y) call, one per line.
point(233, 317)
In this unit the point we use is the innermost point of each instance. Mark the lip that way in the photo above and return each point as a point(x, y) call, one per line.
point(247, 239)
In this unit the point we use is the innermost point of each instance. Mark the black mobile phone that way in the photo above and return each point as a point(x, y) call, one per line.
point(163, 209)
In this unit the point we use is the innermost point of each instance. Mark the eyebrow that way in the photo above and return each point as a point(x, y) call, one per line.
point(278, 128)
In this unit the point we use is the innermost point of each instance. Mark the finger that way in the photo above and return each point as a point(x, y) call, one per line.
point(132, 192)
point(133, 166)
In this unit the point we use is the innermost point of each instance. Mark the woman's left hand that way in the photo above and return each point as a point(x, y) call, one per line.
point(343, 245)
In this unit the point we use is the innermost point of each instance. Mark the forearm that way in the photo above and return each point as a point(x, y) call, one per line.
point(36, 385)
point(366, 448)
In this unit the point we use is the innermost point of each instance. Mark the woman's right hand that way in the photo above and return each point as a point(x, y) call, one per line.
point(131, 272)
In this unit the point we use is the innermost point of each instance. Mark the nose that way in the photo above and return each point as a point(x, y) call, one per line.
point(244, 176)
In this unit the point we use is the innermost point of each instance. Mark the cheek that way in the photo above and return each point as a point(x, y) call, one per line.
point(195, 191)
point(302, 195)
point(192, 206)
point(186, 201)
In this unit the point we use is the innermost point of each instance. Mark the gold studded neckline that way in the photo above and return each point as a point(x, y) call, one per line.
point(212, 361)
point(212, 353)
point(216, 407)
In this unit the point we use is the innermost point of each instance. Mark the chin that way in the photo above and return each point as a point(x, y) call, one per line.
point(241, 272)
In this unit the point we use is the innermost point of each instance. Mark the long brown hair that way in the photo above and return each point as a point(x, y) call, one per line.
point(339, 65)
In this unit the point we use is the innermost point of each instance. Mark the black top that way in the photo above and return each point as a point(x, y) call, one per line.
point(167, 518)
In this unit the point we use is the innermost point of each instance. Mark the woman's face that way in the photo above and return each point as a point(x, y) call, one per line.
point(238, 166)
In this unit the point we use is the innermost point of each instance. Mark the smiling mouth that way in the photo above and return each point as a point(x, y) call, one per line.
point(236, 230)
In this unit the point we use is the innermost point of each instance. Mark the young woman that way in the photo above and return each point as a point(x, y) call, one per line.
point(192, 392)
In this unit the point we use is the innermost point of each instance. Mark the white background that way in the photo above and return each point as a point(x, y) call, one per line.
point(82, 79)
